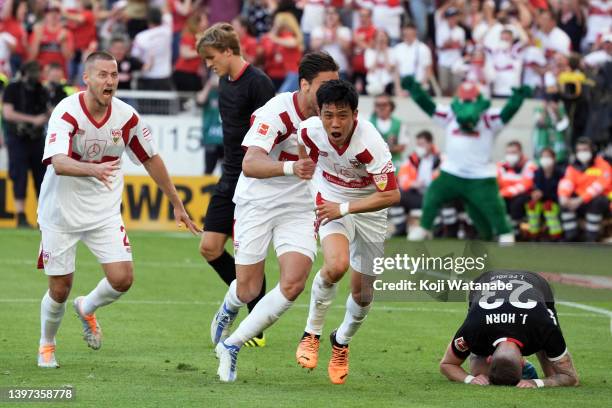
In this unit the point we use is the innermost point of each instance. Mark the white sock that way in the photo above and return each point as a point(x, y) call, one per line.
point(354, 316)
point(266, 312)
point(102, 295)
point(231, 300)
point(51, 314)
point(321, 298)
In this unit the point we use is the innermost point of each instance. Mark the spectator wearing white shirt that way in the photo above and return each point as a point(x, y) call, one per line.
point(551, 38)
point(535, 67)
point(601, 55)
point(599, 20)
point(386, 15)
point(450, 41)
point(333, 38)
point(313, 16)
point(412, 58)
point(380, 63)
point(506, 63)
point(153, 47)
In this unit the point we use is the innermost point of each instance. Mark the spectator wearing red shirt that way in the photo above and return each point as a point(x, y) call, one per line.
point(248, 41)
point(81, 22)
point(187, 75)
point(282, 49)
point(363, 38)
point(12, 22)
point(180, 10)
point(50, 41)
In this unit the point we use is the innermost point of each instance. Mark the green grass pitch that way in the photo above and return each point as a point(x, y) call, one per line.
point(157, 351)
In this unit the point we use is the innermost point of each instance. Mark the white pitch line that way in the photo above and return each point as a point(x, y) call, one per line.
point(301, 305)
point(598, 310)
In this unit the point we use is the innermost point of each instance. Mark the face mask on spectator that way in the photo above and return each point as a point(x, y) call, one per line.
point(584, 156)
point(547, 162)
point(420, 151)
point(505, 45)
point(512, 158)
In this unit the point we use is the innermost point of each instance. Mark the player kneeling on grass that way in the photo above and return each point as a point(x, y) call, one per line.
point(503, 326)
point(356, 184)
point(80, 198)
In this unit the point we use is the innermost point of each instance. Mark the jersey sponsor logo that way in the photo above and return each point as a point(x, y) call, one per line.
point(322, 153)
point(381, 181)
point(94, 149)
point(116, 135)
point(461, 345)
point(80, 132)
point(52, 138)
point(263, 129)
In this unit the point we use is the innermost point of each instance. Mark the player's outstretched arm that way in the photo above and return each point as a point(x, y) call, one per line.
point(67, 166)
point(418, 95)
point(257, 164)
point(450, 367)
point(157, 170)
point(559, 373)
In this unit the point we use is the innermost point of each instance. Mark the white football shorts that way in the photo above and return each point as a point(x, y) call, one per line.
point(366, 233)
point(290, 229)
point(108, 243)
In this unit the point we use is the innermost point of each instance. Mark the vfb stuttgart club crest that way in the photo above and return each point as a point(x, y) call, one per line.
point(116, 135)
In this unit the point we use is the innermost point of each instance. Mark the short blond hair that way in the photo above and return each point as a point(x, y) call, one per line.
point(221, 37)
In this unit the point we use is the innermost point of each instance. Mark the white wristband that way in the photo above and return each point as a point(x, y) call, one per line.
point(468, 379)
point(288, 168)
point(539, 382)
point(344, 209)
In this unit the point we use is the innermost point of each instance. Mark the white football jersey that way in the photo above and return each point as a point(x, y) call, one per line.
point(72, 204)
point(274, 129)
point(358, 169)
point(468, 154)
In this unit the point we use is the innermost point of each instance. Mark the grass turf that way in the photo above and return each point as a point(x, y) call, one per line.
point(157, 350)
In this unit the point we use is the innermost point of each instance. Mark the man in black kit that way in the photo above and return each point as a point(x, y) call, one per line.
point(242, 90)
point(503, 326)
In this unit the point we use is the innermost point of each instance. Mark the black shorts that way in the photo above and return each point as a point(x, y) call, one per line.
point(220, 214)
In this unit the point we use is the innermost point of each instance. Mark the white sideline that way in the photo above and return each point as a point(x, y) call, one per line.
point(600, 311)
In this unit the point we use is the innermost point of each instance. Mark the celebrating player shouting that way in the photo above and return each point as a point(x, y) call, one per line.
point(273, 203)
point(80, 198)
point(501, 328)
point(356, 184)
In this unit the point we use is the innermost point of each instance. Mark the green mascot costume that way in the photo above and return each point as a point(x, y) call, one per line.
point(467, 172)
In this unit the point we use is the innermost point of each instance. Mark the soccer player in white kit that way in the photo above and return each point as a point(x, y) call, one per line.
point(355, 184)
point(80, 198)
point(273, 204)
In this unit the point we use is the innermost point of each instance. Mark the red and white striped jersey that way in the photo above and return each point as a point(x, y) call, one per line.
point(358, 169)
point(71, 204)
point(274, 129)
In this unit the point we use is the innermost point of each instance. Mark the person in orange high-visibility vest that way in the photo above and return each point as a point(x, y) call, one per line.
point(583, 191)
point(515, 180)
point(415, 175)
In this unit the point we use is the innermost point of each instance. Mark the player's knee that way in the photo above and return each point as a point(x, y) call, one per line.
point(291, 290)
point(60, 290)
point(124, 282)
point(210, 251)
point(336, 267)
point(363, 296)
point(247, 293)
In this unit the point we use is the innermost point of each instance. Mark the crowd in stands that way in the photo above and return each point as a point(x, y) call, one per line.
point(560, 48)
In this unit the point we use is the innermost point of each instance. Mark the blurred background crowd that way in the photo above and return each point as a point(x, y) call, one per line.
point(560, 48)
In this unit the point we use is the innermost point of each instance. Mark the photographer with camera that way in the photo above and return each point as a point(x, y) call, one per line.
point(25, 113)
